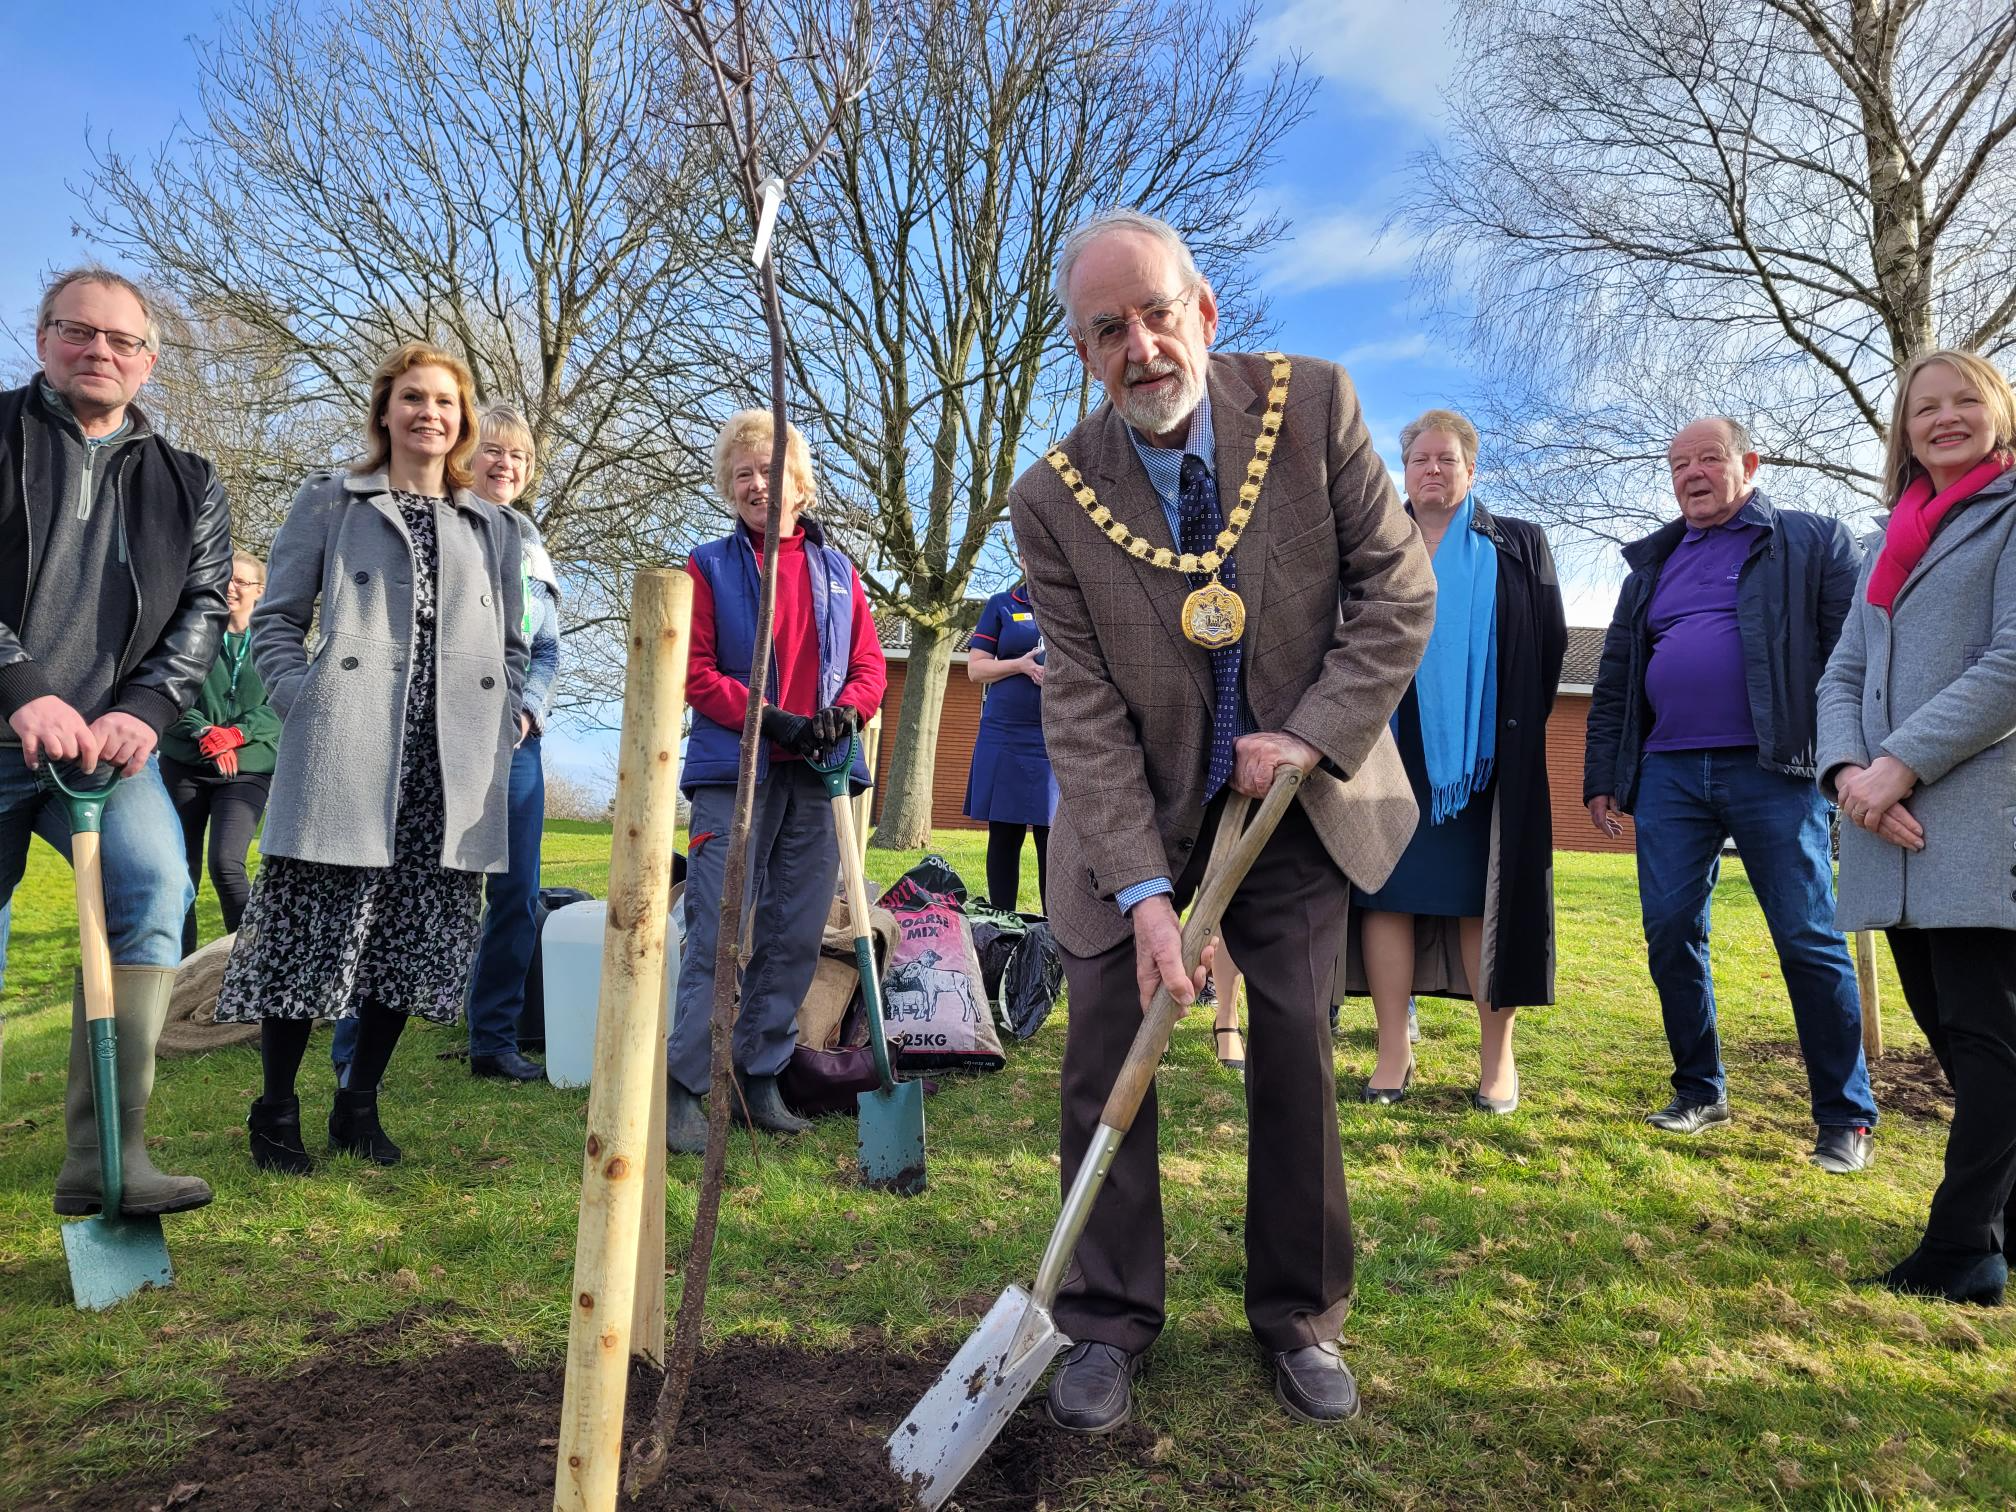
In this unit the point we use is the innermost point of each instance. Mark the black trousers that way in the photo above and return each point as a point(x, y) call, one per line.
point(230, 809)
point(1961, 985)
point(1282, 928)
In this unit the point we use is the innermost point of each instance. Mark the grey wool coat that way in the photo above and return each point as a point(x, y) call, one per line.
point(1934, 684)
point(342, 699)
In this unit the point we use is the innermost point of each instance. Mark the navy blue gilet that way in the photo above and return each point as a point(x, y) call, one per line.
point(730, 567)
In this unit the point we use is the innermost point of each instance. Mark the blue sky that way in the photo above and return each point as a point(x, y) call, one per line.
point(1339, 291)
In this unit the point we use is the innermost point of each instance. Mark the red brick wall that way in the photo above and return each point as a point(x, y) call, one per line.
point(1567, 733)
point(958, 728)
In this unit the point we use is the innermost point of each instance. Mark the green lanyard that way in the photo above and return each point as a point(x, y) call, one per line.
point(242, 638)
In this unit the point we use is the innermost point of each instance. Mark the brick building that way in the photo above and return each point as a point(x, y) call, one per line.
point(959, 727)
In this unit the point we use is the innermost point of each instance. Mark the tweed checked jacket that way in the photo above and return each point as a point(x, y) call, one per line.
point(1340, 598)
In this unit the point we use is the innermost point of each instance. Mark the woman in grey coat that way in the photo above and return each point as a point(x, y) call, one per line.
point(1917, 743)
point(389, 800)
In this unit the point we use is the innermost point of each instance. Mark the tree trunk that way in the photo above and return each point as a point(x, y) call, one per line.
point(1902, 263)
point(906, 805)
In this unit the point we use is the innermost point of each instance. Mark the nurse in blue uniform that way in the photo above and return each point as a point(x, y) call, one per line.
point(1010, 786)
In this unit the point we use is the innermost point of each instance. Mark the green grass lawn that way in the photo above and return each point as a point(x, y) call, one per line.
point(1563, 1307)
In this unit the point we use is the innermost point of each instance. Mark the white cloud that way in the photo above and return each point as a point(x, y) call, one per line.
point(1394, 54)
point(1339, 247)
point(1388, 349)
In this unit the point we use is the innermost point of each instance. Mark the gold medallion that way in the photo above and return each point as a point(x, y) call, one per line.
point(1214, 617)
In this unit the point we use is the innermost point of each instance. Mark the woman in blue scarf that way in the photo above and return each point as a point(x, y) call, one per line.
point(1472, 732)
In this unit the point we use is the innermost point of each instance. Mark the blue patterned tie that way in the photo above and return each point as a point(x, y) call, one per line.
point(1197, 511)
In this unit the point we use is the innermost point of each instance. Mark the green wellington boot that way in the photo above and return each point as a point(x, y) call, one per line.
point(140, 1004)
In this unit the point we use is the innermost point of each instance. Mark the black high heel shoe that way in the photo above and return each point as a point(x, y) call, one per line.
point(1984, 1283)
point(1386, 1097)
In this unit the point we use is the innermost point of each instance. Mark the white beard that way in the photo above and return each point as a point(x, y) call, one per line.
point(1159, 411)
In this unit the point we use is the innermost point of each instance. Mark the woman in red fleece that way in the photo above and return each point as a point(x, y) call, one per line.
point(826, 679)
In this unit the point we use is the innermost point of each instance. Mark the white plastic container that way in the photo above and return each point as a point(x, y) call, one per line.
point(570, 952)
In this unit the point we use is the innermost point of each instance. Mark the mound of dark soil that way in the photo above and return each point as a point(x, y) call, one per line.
point(767, 1429)
point(1905, 1081)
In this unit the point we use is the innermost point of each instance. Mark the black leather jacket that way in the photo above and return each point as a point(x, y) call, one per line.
point(178, 532)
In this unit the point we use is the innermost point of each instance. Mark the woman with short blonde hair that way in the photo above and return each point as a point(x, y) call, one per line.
point(825, 680)
point(389, 796)
point(1916, 745)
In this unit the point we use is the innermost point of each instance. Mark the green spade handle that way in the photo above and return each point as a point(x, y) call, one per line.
point(85, 803)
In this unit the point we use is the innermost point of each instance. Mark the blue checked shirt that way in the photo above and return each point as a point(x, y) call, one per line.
point(1164, 466)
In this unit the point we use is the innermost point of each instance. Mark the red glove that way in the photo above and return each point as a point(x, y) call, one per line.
point(220, 738)
point(226, 761)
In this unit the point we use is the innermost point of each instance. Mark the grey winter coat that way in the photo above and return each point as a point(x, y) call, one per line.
point(1933, 684)
point(342, 700)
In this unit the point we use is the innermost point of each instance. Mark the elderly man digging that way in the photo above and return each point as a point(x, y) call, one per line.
point(1254, 473)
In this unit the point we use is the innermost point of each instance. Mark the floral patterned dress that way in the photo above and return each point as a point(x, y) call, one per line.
point(318, 940)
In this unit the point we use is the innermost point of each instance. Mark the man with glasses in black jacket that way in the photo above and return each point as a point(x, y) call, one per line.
point(115, 549)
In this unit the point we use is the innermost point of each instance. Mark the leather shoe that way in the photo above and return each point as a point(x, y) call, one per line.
point(1315, 1384)
point(507, 1065)
point(1683, 1117)
point(1093, 1390)
point(1842, 1150)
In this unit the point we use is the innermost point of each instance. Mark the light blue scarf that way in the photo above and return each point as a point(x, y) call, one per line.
point(1457, 686)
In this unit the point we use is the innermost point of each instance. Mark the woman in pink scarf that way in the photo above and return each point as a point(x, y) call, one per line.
point(1918, 745)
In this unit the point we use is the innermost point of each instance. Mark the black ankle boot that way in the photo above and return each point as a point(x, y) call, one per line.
point(354, 1128)
point(766, 1107)
point(276, 1137)
point(1983, 1281)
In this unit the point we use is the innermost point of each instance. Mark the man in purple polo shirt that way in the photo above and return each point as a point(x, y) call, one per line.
point(1702, 727)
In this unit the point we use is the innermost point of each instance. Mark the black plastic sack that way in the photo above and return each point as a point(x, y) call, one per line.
point(1022, 963)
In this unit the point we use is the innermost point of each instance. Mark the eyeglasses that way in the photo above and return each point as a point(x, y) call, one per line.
point(1159, 319)
point(490, 450)
point(76, 333)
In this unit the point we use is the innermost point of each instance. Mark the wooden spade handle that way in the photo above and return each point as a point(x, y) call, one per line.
point(95, 955)
point(1232, 856)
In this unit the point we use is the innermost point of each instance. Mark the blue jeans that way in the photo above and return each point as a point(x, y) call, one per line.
point(794, 861)
point(504, 958)
point(147, 888)
point(504, 955)
point(1689, 802)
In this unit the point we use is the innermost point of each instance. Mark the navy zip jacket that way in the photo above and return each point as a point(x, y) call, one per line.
point(1795, 591)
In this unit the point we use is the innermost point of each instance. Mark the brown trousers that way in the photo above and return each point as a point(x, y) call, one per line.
point(1282, 929)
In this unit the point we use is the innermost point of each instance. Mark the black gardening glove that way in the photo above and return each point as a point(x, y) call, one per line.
point(791, 731)
point(830, 727)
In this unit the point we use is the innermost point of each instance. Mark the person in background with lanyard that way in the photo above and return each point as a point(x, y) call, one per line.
point(506, 458)
point(217, 759)
point(1009, 785)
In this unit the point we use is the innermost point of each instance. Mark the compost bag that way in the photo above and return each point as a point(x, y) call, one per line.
point(934, 995)
point(1022, 964)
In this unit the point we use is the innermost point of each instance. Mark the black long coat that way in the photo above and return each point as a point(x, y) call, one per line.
point(1518, 956)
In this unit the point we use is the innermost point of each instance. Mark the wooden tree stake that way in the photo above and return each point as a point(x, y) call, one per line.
point(629, 1051)
point(1872, 1002)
